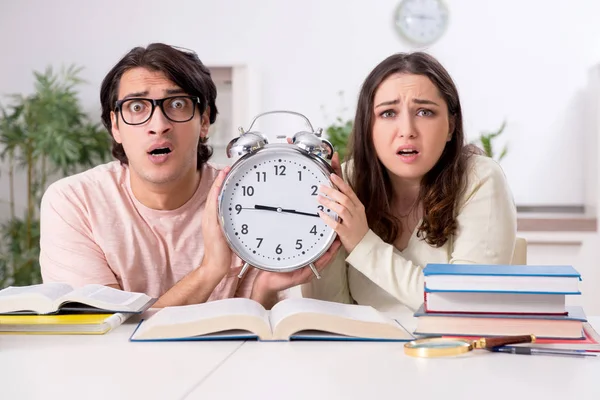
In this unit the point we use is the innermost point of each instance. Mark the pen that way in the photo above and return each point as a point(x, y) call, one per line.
point(541, 351)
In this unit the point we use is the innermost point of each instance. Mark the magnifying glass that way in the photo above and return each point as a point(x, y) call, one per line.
point(442, 347)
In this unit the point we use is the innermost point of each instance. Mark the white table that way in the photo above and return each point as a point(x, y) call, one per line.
point(360, 370)
point(110, 367)
point(106, 367)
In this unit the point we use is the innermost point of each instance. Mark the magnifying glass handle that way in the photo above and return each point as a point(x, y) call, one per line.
point(489, 343)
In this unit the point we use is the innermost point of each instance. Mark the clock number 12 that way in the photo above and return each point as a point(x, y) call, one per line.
point(279, 169)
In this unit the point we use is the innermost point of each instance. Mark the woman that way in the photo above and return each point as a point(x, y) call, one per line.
point(416, 193)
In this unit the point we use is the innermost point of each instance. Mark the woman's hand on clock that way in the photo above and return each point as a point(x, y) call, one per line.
point(217, 256)
point(352, 224)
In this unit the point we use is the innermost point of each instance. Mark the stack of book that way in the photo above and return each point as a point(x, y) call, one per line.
point(58, 308)
point(497, 300)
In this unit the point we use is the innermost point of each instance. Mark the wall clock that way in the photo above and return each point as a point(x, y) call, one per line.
point(421, 22)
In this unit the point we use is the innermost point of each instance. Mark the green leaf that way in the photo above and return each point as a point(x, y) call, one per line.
point(486, 142)
point(338, 134)
point(503, 153)
point(44, 132)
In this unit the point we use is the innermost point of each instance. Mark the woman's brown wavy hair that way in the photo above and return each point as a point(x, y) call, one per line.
point(441, 187)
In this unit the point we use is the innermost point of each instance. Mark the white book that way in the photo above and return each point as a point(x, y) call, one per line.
point(48, 298)
point(290, 319)
point(490, 302)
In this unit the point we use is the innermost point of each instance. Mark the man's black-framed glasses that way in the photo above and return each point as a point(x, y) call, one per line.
point(138, 110)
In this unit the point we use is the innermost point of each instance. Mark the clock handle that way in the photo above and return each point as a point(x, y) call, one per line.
point(281, 112)
point(314, 270)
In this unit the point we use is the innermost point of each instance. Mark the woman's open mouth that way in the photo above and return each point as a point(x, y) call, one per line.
point(408, 155)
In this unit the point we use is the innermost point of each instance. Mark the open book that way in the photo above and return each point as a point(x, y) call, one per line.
point(290, 319)
point(49, 298)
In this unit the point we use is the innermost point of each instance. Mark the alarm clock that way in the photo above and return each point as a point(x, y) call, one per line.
point(268, 206)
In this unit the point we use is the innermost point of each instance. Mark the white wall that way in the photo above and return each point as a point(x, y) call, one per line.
point(579, 249)
point(526, 61)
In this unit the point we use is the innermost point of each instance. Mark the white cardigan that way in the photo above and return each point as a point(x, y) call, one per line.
point(379, 275)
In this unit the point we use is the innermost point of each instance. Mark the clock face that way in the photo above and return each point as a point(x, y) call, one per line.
point(268, 207)
point(421, 21)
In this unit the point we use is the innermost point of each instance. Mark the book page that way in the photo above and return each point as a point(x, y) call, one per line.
point(104, 294)
point(52, 291)
point(290, 307)
point(212, 309)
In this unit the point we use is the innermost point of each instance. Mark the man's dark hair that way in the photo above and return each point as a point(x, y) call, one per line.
point(181, 66)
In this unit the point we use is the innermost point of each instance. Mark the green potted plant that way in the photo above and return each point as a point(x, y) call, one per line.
point(47, 135)
point(338, 132)
point(486, 142)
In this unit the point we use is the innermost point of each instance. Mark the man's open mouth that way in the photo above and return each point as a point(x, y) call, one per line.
point(159, 151)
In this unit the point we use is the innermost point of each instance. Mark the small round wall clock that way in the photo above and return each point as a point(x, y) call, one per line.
point(268, 203)
point(421, 22)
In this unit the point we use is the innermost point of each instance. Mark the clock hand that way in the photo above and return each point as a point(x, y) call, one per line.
point(287, 210)
point(419, 16)
point(260, 207)
point(300, 212)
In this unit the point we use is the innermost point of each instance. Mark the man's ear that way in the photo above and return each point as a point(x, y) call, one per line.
point(115, 128)
point(205, 123)
point(452, 125)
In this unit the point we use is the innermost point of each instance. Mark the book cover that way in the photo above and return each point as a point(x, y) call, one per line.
point(501, 270)
point(525, 279)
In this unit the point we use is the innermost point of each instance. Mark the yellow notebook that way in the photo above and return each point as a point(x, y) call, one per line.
point(65, 324)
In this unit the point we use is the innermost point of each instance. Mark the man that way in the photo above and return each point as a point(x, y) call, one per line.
point(148, 222)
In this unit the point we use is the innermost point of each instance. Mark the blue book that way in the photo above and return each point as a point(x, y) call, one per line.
point(550, 279)
point(290, 319)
